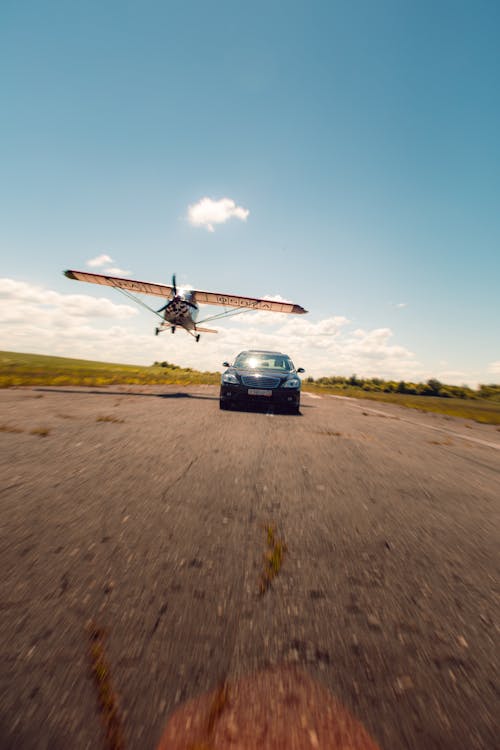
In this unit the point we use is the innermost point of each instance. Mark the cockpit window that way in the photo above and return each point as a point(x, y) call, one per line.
point(257, 361)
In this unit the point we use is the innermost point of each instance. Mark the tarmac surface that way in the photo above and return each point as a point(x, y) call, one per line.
point(146, 511)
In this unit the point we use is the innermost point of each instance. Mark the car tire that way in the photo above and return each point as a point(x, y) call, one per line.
point(223, 404)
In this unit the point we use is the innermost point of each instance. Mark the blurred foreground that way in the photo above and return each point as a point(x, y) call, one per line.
point(147, 512)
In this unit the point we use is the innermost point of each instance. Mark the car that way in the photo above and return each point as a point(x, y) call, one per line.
point(261, 377)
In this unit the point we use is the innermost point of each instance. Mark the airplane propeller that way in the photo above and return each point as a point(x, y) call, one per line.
point(174, 289)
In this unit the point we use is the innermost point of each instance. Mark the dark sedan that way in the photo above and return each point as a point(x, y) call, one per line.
point(261, 377)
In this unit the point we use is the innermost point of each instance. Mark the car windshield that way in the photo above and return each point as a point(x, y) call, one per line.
point(256, 361)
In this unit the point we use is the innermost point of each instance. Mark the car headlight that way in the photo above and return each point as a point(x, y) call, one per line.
point(292, 383)
point(229, 377)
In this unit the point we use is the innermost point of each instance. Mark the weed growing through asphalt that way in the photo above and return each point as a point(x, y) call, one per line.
point(107, 698)
point(40, 431)
point(273, 558)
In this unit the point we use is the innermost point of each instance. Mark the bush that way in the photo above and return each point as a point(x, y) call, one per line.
point(434, 386)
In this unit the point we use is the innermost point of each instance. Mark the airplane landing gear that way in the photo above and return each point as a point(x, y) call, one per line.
point(172, 329)
point(157, 331)
point(197, 337)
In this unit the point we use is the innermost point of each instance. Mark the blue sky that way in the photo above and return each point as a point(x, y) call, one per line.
point(361, 137)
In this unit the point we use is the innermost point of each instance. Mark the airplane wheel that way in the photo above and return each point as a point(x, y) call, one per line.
point(157, 331)
point(173, 329)
point(197, 338)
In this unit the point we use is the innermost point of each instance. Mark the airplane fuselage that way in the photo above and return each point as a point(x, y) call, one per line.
point(181, 311)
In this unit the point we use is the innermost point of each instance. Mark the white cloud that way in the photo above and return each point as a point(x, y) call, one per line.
point(43, 320)
point(400, 305)
point(36, 319)
point(100, 260)
point(276, 298)
point(453, 377)
point(117, 272)
point(47, 309)
point(208, 212)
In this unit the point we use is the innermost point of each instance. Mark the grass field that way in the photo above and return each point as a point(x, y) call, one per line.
point(480, 410)
point(38, 369)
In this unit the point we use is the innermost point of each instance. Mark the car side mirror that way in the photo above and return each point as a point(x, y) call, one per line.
point(226, 364)
point(301, 369)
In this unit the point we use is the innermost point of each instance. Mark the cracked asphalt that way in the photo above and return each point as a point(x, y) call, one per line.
point(144, 510)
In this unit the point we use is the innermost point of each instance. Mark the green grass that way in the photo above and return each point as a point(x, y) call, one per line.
point(40, 431)
point(479, 410)
point(39, 369)
point(273, 558)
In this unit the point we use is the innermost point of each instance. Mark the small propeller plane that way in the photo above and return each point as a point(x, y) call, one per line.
point(181, 308)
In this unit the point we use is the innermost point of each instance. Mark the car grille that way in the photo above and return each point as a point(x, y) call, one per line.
point(254, 381)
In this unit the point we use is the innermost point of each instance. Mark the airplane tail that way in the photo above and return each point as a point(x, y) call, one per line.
point(199, 329)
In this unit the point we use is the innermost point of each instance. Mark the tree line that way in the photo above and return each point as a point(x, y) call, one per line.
point(431, 387)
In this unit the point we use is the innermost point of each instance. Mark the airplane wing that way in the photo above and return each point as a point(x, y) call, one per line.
point(206, 298)
point(253, 303)
point(142, 287)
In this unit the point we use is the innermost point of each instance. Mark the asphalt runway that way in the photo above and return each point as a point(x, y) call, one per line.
point(145, 511)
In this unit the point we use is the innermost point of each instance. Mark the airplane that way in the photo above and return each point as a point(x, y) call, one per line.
point(182, 306)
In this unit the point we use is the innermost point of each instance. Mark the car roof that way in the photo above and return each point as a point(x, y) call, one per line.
point(261, 351)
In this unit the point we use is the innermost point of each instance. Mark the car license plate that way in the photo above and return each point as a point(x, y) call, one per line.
point(259, 392)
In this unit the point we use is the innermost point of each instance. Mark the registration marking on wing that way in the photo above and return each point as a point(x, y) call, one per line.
point(259, 392)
